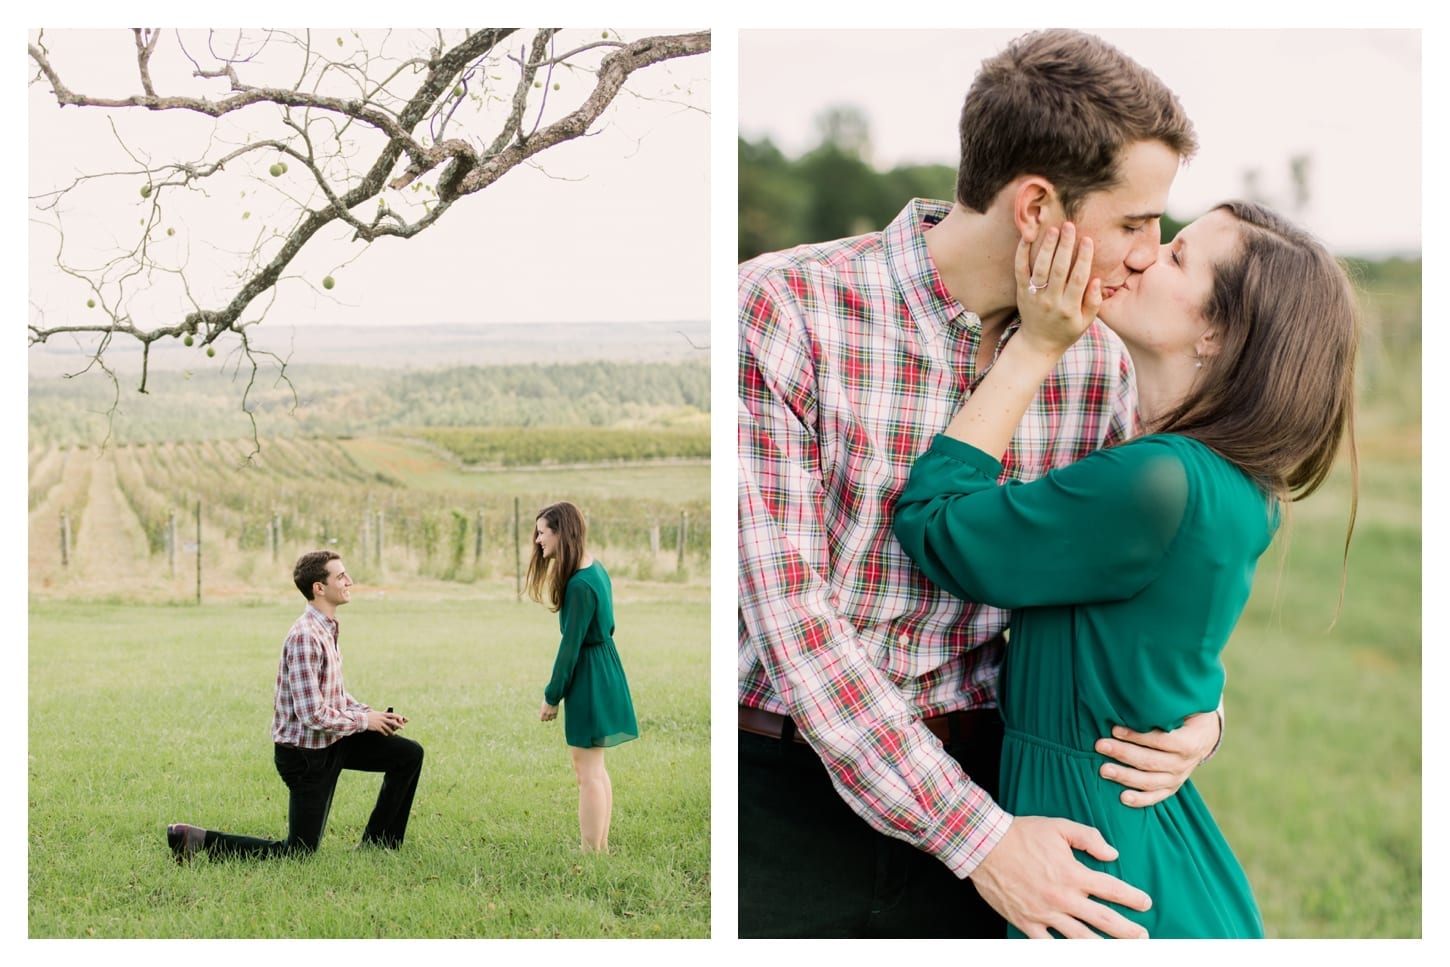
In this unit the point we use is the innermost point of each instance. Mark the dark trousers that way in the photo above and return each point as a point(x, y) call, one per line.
point(311, 777)
point(810, 867)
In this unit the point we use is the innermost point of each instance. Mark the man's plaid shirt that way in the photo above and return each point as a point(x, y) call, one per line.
point(852, 356)
point(312, 708)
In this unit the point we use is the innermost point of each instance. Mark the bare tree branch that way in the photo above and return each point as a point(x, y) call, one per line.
point(332, 146)
point(614, 71)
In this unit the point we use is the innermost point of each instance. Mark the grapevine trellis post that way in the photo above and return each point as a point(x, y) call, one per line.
point(378, 544)
point(518, 556)
point(365, 540)
point(171, 543)
point(198, 552)
point(654, 539)
point(478, 540)
point(680, 550)
point(64, 539)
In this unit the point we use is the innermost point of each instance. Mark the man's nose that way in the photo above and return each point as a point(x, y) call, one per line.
point(1141, 256)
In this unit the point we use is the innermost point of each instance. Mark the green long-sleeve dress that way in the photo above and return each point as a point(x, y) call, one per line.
point(1126, 572)
point(588, 675)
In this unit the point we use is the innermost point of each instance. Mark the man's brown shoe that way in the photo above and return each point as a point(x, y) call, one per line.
point(184, 840)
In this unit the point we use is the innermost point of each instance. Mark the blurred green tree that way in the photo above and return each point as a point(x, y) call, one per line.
point(832, 191)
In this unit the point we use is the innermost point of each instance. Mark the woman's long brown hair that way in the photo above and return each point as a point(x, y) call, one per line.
point(1277, 399)
point(565, 520)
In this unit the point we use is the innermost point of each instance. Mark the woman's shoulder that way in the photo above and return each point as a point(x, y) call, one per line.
point(1201, 469)
point(1192, 454)
point(1157, 453)
point(1197, 457)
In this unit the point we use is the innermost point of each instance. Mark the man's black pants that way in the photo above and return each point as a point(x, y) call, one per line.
point(311, 777)
point(810, 867)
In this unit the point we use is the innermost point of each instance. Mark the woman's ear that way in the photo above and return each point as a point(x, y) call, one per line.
point(1208, 343)
point(1034, 206)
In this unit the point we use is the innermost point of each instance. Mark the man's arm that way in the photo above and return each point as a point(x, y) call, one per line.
point(883, 761)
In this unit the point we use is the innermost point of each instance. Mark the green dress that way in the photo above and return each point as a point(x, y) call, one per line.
point(1125, 572)
point(588, 675)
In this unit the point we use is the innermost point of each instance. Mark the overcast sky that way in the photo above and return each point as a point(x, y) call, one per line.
point(1349, 99)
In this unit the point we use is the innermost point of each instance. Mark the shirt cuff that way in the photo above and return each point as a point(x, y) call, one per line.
point(969, 834)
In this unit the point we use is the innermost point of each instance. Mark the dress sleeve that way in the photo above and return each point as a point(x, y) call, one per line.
point(574, 617)
point(882, 759)
point(1095, 530)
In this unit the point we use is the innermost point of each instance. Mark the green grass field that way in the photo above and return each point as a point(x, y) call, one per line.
point(142, 715)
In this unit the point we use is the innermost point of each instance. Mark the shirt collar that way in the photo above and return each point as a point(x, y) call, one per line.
point(319, 616)
point(927, 299)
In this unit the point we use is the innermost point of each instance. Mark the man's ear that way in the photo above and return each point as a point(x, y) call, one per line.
point(1034, 206)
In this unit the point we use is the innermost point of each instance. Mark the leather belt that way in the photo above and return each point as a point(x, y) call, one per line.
point(953, 726)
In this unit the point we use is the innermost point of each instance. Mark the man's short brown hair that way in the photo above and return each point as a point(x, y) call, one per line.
point(1064, 105)
point(310, 569)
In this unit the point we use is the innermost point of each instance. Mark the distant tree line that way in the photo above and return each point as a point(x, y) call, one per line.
point(829, 192)
point(336, 401)
point(546, 445)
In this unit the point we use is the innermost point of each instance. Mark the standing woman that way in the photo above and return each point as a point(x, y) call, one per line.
point(588, 675)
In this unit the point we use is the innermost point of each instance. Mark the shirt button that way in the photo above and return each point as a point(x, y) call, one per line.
point(904, 640)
